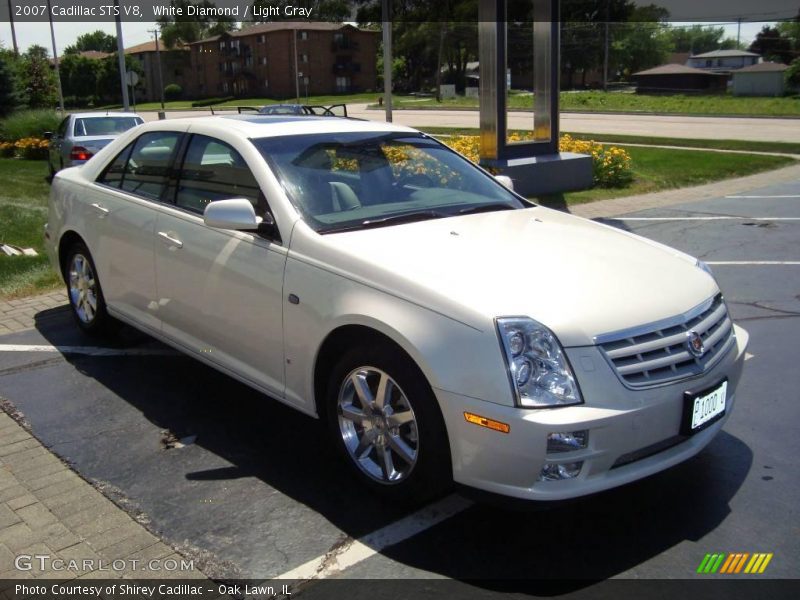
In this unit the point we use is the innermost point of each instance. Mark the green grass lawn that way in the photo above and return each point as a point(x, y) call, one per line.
point(313, 100)
point(657, 169)
point(23, 212)
point(24, 194)
point(717, 105)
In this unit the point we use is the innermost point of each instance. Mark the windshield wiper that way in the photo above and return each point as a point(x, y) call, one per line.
point(410, 217)
point(471, 210)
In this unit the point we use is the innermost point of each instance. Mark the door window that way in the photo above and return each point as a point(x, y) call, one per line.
point(213, 170)
point(112, 176)
point(147, 169)
point(62, 128)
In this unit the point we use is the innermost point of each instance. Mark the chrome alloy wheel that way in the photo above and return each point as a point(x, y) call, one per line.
point(83, 288)
point(378, 425)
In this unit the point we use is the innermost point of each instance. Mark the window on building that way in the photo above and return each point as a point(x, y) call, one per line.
point(266, 83)
point(262, 38)
point(304, 58)
point(234, 43)
point(248, 61)
point(225, 86)
point(262, 60)
point(338, 37)
point(222, 45)
point(342, 84)
point(303, 35)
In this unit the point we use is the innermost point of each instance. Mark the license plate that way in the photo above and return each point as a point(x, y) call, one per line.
point(703, 409)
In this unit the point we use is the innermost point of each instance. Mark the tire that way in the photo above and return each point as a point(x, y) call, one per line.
point(85, 295)
point(409, 429)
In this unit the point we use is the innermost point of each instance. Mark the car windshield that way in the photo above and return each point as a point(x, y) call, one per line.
point(347, 181)
point(85, 126)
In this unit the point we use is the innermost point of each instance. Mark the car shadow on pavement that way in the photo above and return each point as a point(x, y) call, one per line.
point(248, 447)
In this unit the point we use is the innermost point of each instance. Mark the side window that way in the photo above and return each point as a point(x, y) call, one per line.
point(62, 127)
point(112, 175)
point(147, 169)
point(213, 170)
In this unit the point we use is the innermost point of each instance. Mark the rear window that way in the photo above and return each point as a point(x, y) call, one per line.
point(88, 126)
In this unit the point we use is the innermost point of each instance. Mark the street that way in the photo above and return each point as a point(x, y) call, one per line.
point(711, 128)
point(252, 486)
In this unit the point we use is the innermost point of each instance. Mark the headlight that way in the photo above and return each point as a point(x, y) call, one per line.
point(540, 374)
point(701, 265)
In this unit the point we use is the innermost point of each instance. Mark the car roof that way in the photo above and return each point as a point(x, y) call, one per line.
point(257, 126)
point(87, 115)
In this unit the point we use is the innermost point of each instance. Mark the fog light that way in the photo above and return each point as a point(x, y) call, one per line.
point(567, 441)
point(559, 472)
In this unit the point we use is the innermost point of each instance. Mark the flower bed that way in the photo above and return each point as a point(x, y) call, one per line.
point(28, 148)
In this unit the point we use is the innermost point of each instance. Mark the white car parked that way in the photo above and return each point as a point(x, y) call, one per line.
point(444, 328)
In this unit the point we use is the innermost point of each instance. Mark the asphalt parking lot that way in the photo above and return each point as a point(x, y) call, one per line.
point(253, 486)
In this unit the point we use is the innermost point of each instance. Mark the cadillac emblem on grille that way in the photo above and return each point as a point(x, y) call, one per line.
point(694, 344)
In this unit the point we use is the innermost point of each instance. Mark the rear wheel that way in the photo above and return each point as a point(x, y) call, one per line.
point(386, 422)
point(85, 294)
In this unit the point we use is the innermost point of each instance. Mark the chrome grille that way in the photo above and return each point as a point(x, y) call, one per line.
point(658, 354)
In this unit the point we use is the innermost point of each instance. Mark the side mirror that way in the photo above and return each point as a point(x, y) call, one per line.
point(48, 135)
point(236, 213)
point(506, 181)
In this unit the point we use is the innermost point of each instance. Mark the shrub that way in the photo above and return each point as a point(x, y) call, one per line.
point(173, 92)
point(32, 148)
point(611, 165)
point(28, 123)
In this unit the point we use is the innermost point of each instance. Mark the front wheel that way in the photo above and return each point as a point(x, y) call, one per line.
point(386, 422)
point(85, 294)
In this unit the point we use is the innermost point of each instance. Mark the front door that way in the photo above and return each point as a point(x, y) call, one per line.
point(220, 291)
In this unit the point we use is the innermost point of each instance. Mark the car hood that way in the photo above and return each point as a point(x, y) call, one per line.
point(579, 278)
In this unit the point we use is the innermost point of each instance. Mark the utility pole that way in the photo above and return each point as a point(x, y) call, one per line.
point(738, 31)
point(123, 79)
point(605, 49)
point(386, 10)
point(160, 77)
point(55, 59)
point(13, 32)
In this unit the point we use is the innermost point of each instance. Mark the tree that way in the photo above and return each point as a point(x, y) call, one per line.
point(9, 89)
point(37, 78)
point(97, 40)
point(697, 39)
point(79, 75)
point(772, 45)
point(185, 29)
point(793, 74)
point(643, 42)
point(109, 85)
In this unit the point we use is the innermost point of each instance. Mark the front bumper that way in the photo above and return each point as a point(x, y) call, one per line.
point(632, 434)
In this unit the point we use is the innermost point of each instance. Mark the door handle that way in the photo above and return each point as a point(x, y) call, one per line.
point(101, 209)
point(172, 241)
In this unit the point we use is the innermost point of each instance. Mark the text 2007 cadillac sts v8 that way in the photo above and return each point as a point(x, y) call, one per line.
point(443, 327)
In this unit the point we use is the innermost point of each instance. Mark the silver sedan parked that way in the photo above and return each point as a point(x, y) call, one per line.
point(81, 135)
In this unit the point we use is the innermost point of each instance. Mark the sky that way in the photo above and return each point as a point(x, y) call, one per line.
point(136, 33)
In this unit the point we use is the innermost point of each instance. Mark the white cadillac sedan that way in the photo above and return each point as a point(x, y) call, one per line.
point(444, 328)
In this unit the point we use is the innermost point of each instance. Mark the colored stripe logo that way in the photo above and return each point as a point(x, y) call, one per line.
point(735, 562)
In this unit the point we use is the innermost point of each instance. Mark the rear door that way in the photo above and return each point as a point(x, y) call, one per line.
point(220, 291)
point(122, 210)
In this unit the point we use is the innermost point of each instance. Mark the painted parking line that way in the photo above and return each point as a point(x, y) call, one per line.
point(752, 262)
point(355, 551)
point(714, 218)
point(88, 350)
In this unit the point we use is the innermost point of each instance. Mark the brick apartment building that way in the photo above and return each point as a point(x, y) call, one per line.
point(260, 61)
point(175, 68)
